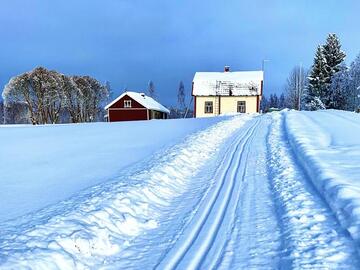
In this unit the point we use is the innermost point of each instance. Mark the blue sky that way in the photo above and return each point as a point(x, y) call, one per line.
point(129, 42)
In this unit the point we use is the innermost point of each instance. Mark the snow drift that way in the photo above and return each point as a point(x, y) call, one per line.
point(42, 165)
point(327, 143)
point(91, 229)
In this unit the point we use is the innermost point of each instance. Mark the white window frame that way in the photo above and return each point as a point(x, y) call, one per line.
point(127, 103)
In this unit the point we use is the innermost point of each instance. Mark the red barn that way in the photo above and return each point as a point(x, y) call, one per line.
point(131, 106)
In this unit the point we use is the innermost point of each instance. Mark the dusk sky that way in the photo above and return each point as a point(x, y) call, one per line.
point(129, 42)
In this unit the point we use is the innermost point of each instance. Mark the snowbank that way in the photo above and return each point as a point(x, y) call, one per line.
point(92, 230)
point(42, 165)
point(327, 143)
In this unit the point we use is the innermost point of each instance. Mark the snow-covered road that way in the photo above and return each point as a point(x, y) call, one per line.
point(245, 193)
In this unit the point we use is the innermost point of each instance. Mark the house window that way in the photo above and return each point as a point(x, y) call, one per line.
point(241, 106)
point(208, 107)
point(127, 103)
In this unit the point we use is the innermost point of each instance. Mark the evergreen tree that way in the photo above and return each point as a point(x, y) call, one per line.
point(1, 112)
point(354, 84)
point(264, 104)
point(339, 89)
point(282, 102)
point(334, 57)
point(317, 80)
point(151, 89)
point(316, 104)
point(327, 62)
point(274, 101)
point(333, 54)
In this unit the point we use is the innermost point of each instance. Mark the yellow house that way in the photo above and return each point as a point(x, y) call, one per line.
point(227, 92)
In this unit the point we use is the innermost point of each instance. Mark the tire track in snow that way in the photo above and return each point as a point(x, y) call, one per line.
point(191, 250)
point(312, 235)
point(344, 116)
point(255, 238)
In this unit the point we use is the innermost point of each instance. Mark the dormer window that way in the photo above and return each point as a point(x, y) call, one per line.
point(127, 103)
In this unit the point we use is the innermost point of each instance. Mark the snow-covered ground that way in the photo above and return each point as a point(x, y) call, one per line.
point(327, 144)
point(277, 191)
point(43, 165)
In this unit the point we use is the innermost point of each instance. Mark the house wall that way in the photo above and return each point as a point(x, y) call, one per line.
point(116, 114)
point(120, 103)
point(200, 106)
point(157, 115)
point(228, 104)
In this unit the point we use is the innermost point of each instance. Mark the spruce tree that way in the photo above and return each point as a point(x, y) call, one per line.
point(333, 54)
point(339, 89)
point(282, 102)
point(327, 63)
point(264, 104)
point(334, 57)
point(318, 79)
point(354, 84)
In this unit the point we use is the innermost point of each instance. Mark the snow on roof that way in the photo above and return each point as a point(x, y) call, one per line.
point(143, 99)
point(238, 83)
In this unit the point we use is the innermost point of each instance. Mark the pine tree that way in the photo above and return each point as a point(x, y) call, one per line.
point(318, 78)
point(327, 62)
point(354, 84)
point(339, 89)
point(264, 104)
point(151, 89)
point(274, 101)
point(1, 112)
point(282, 102)
point(333, 54)
point(334, 57)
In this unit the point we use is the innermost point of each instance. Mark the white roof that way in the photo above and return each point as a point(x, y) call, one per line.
point(240, 83)
point(144, 100)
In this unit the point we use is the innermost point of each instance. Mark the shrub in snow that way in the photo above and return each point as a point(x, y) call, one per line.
point(315, 104)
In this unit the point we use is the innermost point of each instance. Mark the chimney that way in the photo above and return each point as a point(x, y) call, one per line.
point(227, 69)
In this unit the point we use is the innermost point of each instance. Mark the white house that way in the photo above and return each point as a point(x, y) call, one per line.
point(227, 92)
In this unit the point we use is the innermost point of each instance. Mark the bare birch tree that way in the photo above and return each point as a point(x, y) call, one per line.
point(295, 88)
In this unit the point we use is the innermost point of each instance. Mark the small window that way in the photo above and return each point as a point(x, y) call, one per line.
point(208, 107)
point(241, 106)
point(127, 103)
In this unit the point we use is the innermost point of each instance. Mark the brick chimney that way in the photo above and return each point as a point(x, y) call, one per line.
point(227, 69)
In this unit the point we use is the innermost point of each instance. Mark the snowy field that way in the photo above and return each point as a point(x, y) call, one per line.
point(276, 191)
point(43, 165)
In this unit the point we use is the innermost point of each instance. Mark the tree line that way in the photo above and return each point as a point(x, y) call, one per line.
point(329, 84)
point(181, 109)
point(43, 96)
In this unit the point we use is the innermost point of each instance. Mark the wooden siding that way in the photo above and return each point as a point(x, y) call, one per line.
point(120, 103)
point(127, 114)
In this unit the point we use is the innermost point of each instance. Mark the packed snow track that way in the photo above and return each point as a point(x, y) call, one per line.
point(248, 192)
